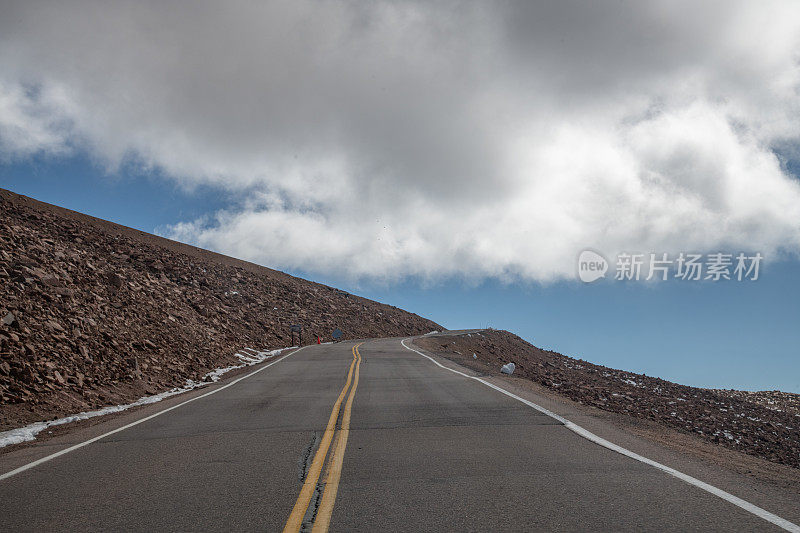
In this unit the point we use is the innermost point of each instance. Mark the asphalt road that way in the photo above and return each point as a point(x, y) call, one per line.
point(426, 450)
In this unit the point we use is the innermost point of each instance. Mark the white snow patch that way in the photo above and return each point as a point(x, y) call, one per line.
point(246, 359)
point(29, 432)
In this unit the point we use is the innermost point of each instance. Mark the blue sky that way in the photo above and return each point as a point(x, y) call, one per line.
point(741, 335)
point(453, 159)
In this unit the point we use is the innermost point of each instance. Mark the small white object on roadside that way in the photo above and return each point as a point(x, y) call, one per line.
point(508, 369)
point(474, 355)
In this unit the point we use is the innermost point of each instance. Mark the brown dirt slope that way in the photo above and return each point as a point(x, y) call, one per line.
point(765, 424)
point(93, 313)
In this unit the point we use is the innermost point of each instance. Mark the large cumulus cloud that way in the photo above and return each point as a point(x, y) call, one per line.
point(450, 138)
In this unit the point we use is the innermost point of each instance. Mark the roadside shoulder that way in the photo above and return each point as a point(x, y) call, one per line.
point(769, 485)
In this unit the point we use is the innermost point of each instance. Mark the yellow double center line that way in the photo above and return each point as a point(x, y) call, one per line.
point(325, 510)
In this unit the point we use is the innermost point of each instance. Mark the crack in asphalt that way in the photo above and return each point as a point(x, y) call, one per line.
point(305, 458)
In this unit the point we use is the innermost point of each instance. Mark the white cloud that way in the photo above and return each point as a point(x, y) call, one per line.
point(32, 122)
point(386, 139)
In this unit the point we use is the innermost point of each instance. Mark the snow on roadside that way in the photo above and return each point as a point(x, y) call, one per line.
point(248, 359)
point(29, 432)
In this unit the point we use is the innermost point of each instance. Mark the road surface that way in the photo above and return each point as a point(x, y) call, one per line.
point(409, 446)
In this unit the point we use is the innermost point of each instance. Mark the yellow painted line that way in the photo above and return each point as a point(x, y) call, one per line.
point(295, 520)
point(325, 510)
point(326, 473)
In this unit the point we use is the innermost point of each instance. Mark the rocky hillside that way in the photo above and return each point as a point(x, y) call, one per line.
point(93, 313)
point(764, 424)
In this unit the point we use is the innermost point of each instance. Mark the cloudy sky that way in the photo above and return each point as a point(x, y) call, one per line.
point(382, 142)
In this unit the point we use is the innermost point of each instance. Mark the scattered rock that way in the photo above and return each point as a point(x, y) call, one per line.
point(84, 351)
point(51, 280)
point(52, 324)
point(115, 280)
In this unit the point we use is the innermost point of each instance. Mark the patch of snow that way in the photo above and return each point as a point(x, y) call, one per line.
point(29, 432)
point(247, 360)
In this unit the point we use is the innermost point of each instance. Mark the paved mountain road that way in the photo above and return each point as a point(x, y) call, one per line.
point(426, 450)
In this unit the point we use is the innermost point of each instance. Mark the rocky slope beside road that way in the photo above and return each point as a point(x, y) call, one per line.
point(764, 424)
point(93, 314)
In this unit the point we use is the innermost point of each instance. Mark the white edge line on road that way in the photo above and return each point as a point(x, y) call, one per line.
point(747, 506)
point(137, 422)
